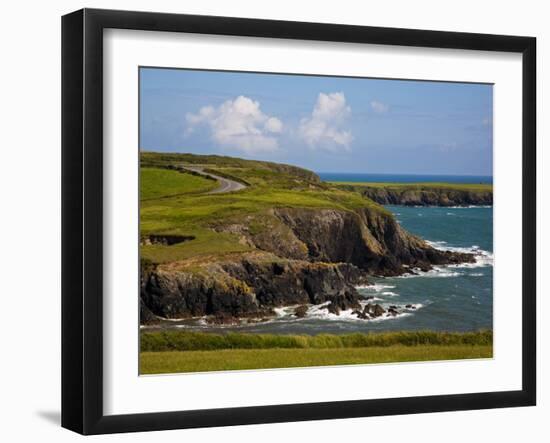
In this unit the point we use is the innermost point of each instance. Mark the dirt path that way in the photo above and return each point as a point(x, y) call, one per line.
point(226, 184)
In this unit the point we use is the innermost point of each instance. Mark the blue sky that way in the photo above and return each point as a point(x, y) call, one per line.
point(326, 124)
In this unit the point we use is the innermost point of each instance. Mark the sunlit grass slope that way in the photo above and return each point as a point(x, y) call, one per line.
point(176, 203)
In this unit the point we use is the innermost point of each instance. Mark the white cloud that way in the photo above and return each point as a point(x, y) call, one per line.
point(239, 124)
point(273, 124)
point(379, 107)
point(325, 128)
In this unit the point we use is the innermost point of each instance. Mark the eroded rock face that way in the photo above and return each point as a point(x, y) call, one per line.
point(428, 197)
point(176, 294)
point(247, 285)
point(371, 240)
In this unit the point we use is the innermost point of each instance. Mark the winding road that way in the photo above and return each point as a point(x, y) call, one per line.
point(226, 184)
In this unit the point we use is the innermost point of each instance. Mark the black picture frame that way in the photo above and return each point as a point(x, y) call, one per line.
point(82, 219)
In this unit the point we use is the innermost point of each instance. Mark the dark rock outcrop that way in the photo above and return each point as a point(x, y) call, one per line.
point(300, 311)
point(371, 240)
point(247, 285)
point(370, 311)
point(427, 197)
point(172, 294)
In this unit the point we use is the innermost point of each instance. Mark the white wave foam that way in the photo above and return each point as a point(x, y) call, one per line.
point(390, 293)
point(435, 272)
point(469, 207)
point(348, 316)
point(319, 312)
point(175, 319)
point(483, 258)
point(376, 287)
point(284, 311)
point(385, 317)
point(439, 244)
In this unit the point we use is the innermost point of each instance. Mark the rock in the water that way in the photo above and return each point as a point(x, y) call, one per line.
point(300, 311)
point(393, 312)
point(377, 310)
point(361, 314)
point(373, 310)
point(333, 309)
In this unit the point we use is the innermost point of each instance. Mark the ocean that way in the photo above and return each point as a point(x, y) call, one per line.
point(448, 298)
point(404, 178)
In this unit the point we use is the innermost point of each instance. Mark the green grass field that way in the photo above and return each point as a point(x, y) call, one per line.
point(159, 183)
point(172, 351)
point(239, 359)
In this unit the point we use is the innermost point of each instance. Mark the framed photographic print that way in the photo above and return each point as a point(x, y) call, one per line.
point(269, 221)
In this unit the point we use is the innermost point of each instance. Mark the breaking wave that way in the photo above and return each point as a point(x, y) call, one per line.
point(482, 257)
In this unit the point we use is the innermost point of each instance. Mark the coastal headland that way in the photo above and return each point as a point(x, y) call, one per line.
point(231, 240)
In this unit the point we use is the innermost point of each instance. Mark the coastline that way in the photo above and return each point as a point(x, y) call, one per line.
point(423, 194)
point(289, 260)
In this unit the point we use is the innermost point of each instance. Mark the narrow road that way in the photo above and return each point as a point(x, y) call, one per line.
point(225, 184)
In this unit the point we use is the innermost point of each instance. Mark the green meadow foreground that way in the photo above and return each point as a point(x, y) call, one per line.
point(178, 351)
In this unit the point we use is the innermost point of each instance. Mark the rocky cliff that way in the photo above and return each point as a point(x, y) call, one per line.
point(245, 285)
point(302, 256)
point(432, 196)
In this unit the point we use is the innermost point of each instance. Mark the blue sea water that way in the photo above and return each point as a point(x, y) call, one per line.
point(403, 178)
point(448, 298)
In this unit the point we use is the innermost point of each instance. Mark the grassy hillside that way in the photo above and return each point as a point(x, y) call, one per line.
point(240, 168)
point(177, 203)
point(158, 183)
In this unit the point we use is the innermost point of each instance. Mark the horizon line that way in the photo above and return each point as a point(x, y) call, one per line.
point(406, 173)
